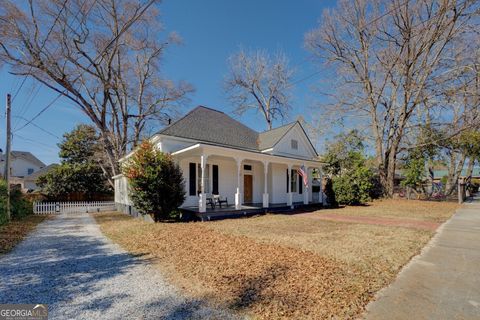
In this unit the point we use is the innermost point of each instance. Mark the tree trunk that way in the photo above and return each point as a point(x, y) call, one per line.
point(471, 164)
point(390, 173)
point(454, 172)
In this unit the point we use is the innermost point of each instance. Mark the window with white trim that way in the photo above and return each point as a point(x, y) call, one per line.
point(293, 181)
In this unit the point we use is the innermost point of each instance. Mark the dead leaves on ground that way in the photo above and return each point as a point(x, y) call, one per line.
point(268, 280)
point(14, 232)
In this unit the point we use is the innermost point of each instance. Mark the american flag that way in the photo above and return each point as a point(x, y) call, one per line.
point(302, 172)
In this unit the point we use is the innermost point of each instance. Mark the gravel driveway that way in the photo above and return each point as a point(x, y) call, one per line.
point(69, 265)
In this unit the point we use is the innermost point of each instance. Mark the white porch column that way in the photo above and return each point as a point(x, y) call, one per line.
point(265, 185)
point(289, 187)
point(238, 194)
point(307, 187)
point(202, 201)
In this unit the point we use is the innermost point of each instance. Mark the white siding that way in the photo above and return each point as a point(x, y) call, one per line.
point(170, 145)
point(227, 178)
point(227, 169)
point(284, 146)
point(20, 167)
point(278, 193)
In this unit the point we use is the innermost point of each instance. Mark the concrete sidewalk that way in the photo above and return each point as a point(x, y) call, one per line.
point(443, 282)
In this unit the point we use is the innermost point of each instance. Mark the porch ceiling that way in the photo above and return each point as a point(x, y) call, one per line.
point(238, 154)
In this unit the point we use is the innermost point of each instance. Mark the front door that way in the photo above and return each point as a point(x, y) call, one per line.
point(247, 188)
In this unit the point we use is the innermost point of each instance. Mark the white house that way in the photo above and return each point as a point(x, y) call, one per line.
point(23, 163)
point(30, 181)
point(220, 156)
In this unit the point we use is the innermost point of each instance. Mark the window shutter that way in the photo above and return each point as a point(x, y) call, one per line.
point(192, 179)
point(215, 179)
point(300, 184)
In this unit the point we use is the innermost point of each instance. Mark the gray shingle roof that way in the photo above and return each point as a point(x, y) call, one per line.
point(25, 155)
point(214, 126)
point(35, 175)
point(209, 125)
point(269, 138)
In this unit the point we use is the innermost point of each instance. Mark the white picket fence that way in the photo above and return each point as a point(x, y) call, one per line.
point(72, 207)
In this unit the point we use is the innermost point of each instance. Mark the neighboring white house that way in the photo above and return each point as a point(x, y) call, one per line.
point(23, 163)
point(219, 155)
point(30, 181)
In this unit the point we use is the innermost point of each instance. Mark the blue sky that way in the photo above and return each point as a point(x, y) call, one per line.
point(211, 32)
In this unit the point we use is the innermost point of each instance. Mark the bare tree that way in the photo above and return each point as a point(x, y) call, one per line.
point(102, 55)
point(260, 82)
point(460, 91)
point(387, 55)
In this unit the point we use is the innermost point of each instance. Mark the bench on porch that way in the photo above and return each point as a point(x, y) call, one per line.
point(216, 200)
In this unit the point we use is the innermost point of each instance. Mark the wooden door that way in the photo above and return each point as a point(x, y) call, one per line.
point(247, 188)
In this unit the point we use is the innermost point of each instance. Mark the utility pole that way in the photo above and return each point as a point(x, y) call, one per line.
point(7, 157)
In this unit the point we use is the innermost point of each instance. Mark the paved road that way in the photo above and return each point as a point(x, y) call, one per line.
point(68, 264)
point(444, 281)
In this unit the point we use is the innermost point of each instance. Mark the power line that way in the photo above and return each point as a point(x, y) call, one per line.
point(33, 141)
point(38, 127)
point(41, 111)
point(124, 29)
point(373, 21)
point(23, 109)
point(44, 42)
point(41, 48)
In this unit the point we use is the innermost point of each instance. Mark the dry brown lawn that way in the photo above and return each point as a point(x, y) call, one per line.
point(407, 209)
point(279, 266)
point(14, 232)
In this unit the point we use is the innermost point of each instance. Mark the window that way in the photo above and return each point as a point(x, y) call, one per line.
point(195, 179)
point(294, 181)
point(300, 184)
point(207, 178)
point(192, 178)
point(215, 179)
point(294, 144)
point(30, 171)
point(247, 167)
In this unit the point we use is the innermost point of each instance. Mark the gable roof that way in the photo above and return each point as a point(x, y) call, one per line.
point(268, 139)
point(213, 126)
point(24, 155)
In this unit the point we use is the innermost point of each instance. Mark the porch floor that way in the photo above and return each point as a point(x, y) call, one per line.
point(230, 207)
point(191, 213)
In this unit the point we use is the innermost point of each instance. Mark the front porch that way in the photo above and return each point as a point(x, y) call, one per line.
point(252, 182)
point(217, 213)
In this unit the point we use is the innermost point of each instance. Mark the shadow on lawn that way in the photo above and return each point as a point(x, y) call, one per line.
point(257, 289)
point(60, 268)
point(63, 267)
point(320, 208)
